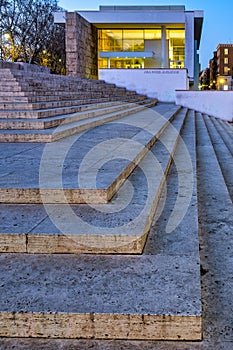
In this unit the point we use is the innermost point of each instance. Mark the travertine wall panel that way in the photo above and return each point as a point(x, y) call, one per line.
point(81, 47)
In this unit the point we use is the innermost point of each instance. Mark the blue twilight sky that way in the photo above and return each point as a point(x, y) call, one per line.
point(217, 27)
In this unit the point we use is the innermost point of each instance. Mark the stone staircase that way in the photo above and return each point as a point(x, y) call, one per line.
point(99, 230)
point(34, 104)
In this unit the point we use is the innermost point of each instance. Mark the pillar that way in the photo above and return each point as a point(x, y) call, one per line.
point(164, 47)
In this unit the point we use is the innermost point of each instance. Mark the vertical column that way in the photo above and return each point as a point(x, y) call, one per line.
point(189, 44)
point(71, 44)
point(81, 47)
point(164, 47)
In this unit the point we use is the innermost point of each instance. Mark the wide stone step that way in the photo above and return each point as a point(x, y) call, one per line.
point(226, 133)
point(24, 105)
point(46, 89)
point(32, 119)
point(228, 126)
point(10, 81)
point(43, 177)
point(56, 104)
point(66, 97)
point(154, 296)
point(59, 84)
point(65, 83)
point(6, 87)
point(42, 92)
point(120, 226)
point(222, 152)
point(47, 118)
point(11, 98)
point(65, 130)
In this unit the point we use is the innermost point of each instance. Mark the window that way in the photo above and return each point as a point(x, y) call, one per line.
point(226, 60)
point(225, 51)
point(136, 41)
point(110, 40)
point(152, 34)
point(176, 40)
point(226, 70)
point(133, 40)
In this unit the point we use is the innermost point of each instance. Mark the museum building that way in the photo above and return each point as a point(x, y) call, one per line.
point(104, 44)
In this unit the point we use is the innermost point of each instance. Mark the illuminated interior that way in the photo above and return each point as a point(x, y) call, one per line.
point(176, 39)
point(140, 48)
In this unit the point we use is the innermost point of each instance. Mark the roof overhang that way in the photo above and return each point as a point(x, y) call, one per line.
point(104, 19)
point(198, 23)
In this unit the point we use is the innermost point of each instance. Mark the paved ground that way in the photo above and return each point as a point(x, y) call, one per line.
point(216, 250)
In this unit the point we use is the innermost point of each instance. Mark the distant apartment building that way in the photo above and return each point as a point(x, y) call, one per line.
point(224, 72)
point(213, 71)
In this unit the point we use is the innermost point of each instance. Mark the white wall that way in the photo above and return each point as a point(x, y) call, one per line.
point(218, 104)
point(189, 43)
point(155, 83)
point(133, 17)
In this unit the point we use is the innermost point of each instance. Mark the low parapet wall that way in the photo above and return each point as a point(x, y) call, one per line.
point(218, 104)
point(155, 83)
point(23, 66)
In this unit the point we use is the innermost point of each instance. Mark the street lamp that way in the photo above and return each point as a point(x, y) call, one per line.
point(6, 36)
point(222, 80)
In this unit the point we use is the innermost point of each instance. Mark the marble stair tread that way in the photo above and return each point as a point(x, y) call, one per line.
point(120, 226)
point(25, 178)
point(89, 104)
point(104, 297)
point(153, 296)
point(67, 97)
point(34, 121)
point(55, 133)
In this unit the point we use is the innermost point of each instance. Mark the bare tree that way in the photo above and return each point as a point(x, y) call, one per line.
point(28, 33)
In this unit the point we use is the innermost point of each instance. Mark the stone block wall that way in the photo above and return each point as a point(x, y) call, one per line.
point(24, 66)
point(81, 47)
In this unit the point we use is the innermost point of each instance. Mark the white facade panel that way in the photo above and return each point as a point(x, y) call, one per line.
point(155, 83)
point(189, 44)
point(137, 17)
point(217, 104)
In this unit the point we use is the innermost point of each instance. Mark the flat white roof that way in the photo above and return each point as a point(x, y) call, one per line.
point(141, 8)
point(133, 17)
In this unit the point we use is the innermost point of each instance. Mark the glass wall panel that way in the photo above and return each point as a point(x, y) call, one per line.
point(152, 34)
point(176, 39)
point(141, 40)
point(110, 40)
point(126, 63)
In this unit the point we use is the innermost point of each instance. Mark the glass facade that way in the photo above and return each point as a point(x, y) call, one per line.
point(140, 48)
point(176, 39)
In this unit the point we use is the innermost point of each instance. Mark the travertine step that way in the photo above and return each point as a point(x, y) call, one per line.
point(67, 97)
point(65, 130)
point(76, 87)
point(120, 226)
point(154, 296)
point(228, 126)
point(135, 135)
point(226, 133)
point(42, 83)
point(53, 110)
point(81, 113)
point(76, 94)
point(60, 88)
point(83, 104)
point(223, 153)
point(48, 118)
